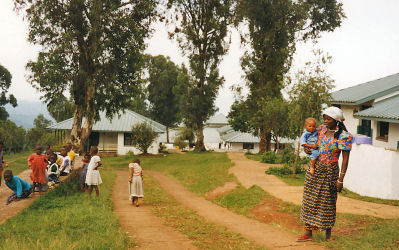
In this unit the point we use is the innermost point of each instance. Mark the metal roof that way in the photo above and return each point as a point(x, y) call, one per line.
point(367, 91)
point(386, 110)
point(240, 137)
point(225, 129)
point(122, 122)
point(218, 119)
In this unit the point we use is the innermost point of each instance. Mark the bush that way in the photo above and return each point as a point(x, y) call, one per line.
point(287, 156)
point(143, 136)
point(286, 170)
point(269, 157)
point(180, 143)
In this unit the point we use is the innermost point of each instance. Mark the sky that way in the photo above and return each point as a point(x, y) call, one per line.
point(364, 48)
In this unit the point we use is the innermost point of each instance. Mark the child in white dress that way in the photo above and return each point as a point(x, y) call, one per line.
point(136, 190)
point(93, 177)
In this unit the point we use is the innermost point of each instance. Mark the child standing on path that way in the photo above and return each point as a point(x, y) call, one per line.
point(93, 177)
point(86, 161)
point(136, 190)
point(309, 139)
point(38, 163)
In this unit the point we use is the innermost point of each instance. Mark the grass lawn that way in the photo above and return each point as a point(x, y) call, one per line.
point(66, 218)
point(199, 172)
point(17, 162)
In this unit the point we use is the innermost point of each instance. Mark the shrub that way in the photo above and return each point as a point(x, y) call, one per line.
point(143, 136)
point(287, 156)
point(284, 171)
point(269, 157)
point(180, 143)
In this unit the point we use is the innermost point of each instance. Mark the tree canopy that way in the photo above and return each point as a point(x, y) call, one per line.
point(5, 83)
point(162, 80)
point(91, 49)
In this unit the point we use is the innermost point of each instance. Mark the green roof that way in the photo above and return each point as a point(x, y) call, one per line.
point(367, 91)
point(122, 122)
point(385, 110)
point(218, 119)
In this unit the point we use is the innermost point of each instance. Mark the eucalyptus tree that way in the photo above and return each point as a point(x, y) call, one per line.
point(164, 103)
point(61, 108)
point(274, 28)
point(200, 29)
point(91, 49)
point(5, 83)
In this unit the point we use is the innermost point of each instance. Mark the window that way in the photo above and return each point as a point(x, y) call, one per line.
point(383, 129)
point(127, 139)
point(248, 146)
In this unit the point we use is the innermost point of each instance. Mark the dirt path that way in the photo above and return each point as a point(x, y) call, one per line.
point(262, 234)
point(13, 209)
point(147, 229)
point(249, 172)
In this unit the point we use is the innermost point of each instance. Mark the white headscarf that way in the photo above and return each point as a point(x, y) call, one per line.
point(335, 113)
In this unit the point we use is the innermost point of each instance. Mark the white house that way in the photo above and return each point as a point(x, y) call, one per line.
point(114, 136)
point(371, 112)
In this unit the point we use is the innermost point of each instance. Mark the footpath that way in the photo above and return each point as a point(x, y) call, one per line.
point(250, 172)
point(147, 230)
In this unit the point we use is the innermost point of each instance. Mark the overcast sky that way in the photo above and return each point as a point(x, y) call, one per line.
point(364, 48)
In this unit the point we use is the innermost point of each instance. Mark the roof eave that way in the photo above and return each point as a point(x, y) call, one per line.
point(375, 118)
point(368, 98)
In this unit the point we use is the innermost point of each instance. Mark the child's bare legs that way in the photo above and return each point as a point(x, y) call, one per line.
point(40, 187)
point(97, 191)
point(312, 163)
point(90, 189)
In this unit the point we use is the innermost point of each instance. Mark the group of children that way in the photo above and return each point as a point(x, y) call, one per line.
point(46, 168)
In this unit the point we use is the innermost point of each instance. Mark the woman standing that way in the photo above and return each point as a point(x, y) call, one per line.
point(320, 190)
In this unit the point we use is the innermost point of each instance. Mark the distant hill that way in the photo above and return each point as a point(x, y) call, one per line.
point(26, 112)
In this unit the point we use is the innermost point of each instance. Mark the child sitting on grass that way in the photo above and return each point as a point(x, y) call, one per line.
point(21, 188)
point(53, 169)
point(38, 163)
point(93, 177)
point(85, 161)
point(309, 139)
point(136, 190)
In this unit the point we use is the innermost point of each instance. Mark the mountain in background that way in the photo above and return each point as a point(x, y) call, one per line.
point(26, 112)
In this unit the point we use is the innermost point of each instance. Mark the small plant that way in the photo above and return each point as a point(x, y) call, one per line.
point(287, 156)
point(269, 157)
point(286, 170)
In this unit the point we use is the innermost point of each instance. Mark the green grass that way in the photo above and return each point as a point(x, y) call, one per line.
point(199, 172)
point(67, 218)
point(17, 162)
point(203, 234)
point(241, 200)
point(347, 193)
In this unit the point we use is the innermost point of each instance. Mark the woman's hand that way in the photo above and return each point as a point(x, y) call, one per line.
point(340, 185)
point(307, 150)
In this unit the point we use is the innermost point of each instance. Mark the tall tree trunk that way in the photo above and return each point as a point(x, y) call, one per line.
point(262, 143)
point(76, 131)
point(268, 141)
point(167, 134)
point(199, 144)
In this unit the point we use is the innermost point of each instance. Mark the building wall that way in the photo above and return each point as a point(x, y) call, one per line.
point(350, 122)
point(373, 171)
point(393, 136)
point(123, 150)
point(237, 147)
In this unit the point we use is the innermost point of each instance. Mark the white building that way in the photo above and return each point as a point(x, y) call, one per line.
point(114, 135)
point(371, 112)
